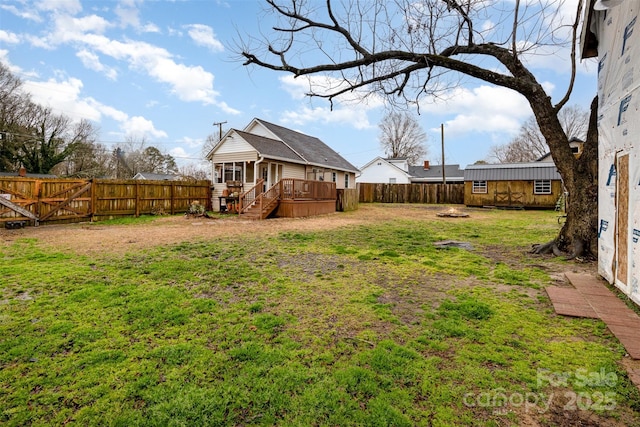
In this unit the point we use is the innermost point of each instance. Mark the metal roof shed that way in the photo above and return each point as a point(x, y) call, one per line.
point(513, 185)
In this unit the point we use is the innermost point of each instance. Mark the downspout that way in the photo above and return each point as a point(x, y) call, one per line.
point(255, 170)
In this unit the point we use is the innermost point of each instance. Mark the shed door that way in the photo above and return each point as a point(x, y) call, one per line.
point(622, 222)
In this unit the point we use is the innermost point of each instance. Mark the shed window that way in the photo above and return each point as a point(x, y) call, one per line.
point(479, 187)
point(392, 180)
point(542, 186)
point(334, 176)
point(346, 180)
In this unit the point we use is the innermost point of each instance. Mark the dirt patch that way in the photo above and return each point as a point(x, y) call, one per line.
point(88, 239)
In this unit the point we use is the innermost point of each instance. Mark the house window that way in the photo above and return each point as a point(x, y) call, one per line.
point(392, 180)
point(346, 180)
point(479, 187)
point(334, 176)
point(542, 186)
point(232, 172)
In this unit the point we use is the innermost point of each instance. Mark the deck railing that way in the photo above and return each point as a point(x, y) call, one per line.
point(248, 198)
point(265, 201)
point(302, 189)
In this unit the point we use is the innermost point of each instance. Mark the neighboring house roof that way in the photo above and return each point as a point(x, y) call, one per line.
point(157, 176)
point(512, 172)
point(309, 148)
point(419, 174)
point(434, 173)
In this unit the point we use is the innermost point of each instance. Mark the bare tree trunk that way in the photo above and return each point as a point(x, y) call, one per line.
point(578, 237)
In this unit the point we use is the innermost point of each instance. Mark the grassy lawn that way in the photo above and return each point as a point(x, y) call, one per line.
point(362, 325)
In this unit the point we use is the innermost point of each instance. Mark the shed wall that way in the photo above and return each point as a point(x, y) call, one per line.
point(512, 194)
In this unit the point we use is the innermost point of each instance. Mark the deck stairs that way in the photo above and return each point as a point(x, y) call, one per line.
point(259, 205)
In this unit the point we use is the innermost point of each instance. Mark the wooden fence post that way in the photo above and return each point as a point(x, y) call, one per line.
point(173, 198)
point(137, 199)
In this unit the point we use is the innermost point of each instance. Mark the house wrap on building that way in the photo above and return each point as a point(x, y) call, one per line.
point(612, 33)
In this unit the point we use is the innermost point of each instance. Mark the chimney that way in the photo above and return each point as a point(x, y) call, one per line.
point(22, 172)
point(426, 165)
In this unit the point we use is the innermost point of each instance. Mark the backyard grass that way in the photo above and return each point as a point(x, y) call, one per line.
point(367, 324)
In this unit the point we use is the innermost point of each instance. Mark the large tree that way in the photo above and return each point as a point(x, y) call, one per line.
point(34, 136)
point(136, 156)
point(530, 144)
point(409, 49)
point(401, 136)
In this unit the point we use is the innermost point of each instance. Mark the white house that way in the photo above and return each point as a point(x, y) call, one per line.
point(398, 171)
point(379, 170)
point(269, 152)
point(611, 33)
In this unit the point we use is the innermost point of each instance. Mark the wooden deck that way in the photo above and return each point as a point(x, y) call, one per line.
point(289, 198)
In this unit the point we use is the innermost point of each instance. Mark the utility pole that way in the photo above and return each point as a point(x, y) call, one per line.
point(219, 124)
point(444, 177)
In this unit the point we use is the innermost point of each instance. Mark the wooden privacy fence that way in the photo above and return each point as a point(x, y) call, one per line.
point(411, 193)
point(72, 200)
point(347, 200)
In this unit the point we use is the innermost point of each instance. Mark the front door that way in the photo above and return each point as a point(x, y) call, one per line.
point(264, 174)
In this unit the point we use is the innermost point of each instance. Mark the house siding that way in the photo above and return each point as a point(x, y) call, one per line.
point(258, 129)
point(292, 170)
point(233, 144)
point(380, 174)
point(234, 157)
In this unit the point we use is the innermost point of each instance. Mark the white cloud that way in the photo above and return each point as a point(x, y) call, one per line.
point(91, 61)
point(108, 111)
point(349, 109)
point(150, 28)
point(188, 83)
point(128, 14)
point(4, 58)
point(60, 6)
point(63, 97)
point(192, 142)
point(9, 38)
point(68, 28)
point(356, 118)
point(203, 35)
point(178, 152)
point(299, 87)
point(27, 13)
point(139, 127)
point(487, 109)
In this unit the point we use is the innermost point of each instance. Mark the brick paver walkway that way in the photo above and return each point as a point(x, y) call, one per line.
point(589, 297)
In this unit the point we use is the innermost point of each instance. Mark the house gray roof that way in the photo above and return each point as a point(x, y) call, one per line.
point(270, 147)
point(434, 173)
point(311, 149)
point(512, 172)
point(157, 176)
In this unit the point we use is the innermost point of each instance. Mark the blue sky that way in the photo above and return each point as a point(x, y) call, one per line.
point(166, 71)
